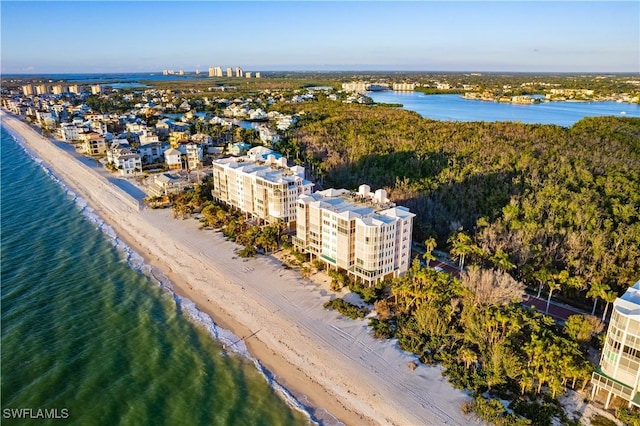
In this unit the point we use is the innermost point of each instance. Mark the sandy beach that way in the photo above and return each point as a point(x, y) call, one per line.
point(329, 363)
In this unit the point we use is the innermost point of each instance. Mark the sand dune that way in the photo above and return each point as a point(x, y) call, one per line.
point(328, 362)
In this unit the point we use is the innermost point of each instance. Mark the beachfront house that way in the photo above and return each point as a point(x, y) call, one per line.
point(124, 158)
point(166, 184)
point(260, 184)
point(362, 233)
point(173, 158)
point(153, 152)
point(70, 132)
point(91, 143)
point(617, 378)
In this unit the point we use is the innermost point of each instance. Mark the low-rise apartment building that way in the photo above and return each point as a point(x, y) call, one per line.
point(361, 232)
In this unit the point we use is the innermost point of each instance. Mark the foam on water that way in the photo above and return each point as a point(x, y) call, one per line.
point(184, 306)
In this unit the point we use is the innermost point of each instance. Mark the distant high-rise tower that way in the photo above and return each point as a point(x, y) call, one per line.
point(258, 74)
point(218, 72)
point(43, 89)
point(229, 72)
point(247, 74)
point(27, 89)
point(212, 72)
point(74, 89)
point(239, 72)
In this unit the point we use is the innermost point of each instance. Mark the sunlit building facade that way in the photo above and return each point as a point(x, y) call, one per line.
point(361, 232)
point(261, 185)
point(618, 375)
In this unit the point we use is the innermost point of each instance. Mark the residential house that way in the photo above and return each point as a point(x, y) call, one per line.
point(193, 154)
point(153, 152)
point(166, 184)
point(176, 138)
point(237, 149)
point(71, 132)
point(173, 158)
point(127, 161)
point(93, 144)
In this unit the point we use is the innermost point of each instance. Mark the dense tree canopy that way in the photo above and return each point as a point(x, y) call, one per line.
point(532, 197)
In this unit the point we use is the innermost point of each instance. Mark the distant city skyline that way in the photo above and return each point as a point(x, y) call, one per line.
point(482, 36)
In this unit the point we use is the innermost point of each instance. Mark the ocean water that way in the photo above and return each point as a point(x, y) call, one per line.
point(90, 336)
point(456, 108)
point(110, 78)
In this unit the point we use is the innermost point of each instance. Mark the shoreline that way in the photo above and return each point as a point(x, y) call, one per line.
point(331, 365)
point(313, 401)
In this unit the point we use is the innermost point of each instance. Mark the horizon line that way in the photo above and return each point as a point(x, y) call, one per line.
point(204, 74)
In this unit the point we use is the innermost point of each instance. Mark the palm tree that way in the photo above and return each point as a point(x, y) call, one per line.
point(542, 276)
point(468, 356)
point(597, 290)
point(609, 297)
point(461, 245)
point(553, 285)
point(429, 245)
point(560, 279)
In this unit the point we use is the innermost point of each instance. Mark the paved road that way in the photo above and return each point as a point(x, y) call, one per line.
point(558, 311)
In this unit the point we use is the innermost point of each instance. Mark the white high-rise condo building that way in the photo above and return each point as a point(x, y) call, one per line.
point(261, 185)
point(618, 374)
point(360, 232)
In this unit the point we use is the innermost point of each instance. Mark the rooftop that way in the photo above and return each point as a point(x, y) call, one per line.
point(629, 302)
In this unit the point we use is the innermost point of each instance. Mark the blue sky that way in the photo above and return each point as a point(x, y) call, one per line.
point(566, 36)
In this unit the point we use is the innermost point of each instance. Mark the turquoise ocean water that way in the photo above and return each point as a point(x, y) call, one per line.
point(87, 333)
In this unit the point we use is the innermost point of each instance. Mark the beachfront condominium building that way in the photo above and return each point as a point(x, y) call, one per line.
point(74, 88)
point(96, 89)
point(27, 90)
point(361, 232)
point(229, 72)
point(618, 374)
point(260, 184)
point(239, 72)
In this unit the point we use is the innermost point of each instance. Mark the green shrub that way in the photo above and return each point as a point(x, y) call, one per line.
point(628, 416)
point(347, 309)
point(382, 329)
